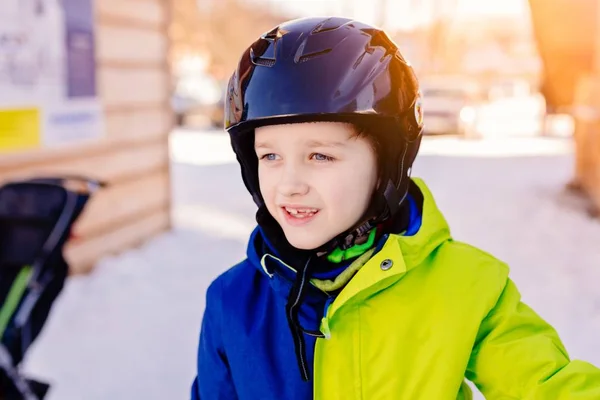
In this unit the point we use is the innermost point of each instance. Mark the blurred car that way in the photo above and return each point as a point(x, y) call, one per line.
point(200, 97)
point(512, 109)
point(442, 105)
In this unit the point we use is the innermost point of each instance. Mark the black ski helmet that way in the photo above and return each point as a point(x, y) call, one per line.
point(328, 69)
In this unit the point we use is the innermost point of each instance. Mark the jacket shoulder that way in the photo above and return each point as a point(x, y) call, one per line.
point(237, 282)
point(468, 277)
point(234, 276)
point(473, 265)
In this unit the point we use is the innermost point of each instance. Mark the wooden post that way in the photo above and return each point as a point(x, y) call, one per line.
point(587, 126)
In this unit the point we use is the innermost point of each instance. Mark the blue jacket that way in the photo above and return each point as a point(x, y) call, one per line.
point(245, 330)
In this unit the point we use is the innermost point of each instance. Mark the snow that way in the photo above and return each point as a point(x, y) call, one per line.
point(129, 329)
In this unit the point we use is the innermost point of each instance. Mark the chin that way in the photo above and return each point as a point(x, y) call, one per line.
point(305, 243)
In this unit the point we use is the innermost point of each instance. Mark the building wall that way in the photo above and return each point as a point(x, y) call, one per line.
point(132, 156)
point(586, 109)
point(565, 32)
point(587, 139)
point(568, 40)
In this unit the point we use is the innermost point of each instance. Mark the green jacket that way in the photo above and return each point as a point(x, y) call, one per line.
point(427, 311)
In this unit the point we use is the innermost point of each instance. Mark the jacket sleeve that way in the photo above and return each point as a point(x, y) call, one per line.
point(518, 355)
point(213, 379)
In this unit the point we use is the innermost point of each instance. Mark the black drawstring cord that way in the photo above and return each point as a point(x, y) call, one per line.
point(292, 307)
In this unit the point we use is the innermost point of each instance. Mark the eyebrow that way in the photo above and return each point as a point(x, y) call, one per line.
point(319, 143)
point(262, 145)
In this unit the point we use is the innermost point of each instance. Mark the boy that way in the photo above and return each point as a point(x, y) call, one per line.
point(353, 287)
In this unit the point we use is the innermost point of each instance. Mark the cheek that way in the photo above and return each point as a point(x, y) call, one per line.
point(264, 181)
point(353, 193)
point(267, 186)
point(347, 195)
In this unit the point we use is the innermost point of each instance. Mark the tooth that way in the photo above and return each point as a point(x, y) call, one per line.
point(301, 213)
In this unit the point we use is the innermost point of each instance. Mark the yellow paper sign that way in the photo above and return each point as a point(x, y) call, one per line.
point(19, 129)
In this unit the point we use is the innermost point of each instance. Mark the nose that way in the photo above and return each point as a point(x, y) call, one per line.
point(292, 182)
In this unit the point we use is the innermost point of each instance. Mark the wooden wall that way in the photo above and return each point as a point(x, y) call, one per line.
point(587, 139)
point(565, 33)
point(568, 37)
point(133, 157)
point(586, 109)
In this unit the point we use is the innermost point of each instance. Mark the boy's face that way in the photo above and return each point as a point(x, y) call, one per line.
point(316, 179)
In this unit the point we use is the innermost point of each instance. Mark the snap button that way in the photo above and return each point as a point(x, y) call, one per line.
point(386, 264)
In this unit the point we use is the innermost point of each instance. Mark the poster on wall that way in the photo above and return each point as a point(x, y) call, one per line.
point(48, 92)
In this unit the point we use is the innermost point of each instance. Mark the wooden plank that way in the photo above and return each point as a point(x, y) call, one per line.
point(120, 86)
point(130, 44)
point(139, 106)
point(83, 255)
point(110, 20)
point(86, 149)
point(132, 65)
point(144, 123)
point(152, 12)
point(121, 164)
point(123, 203)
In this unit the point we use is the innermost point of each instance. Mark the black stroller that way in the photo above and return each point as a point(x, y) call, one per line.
point(36, 217)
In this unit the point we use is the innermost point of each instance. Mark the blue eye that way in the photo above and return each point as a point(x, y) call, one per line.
point(269, 157)
point(321, 157)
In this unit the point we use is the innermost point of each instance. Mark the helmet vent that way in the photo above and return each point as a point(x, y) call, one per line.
point(265, 62)
point(310, 56)
point(272, 34)
point(329, 24)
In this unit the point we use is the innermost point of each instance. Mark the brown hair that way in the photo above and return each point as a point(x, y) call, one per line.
point(371, 134)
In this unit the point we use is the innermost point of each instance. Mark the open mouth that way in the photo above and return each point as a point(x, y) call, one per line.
point(300, 213)
point(297, 216)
